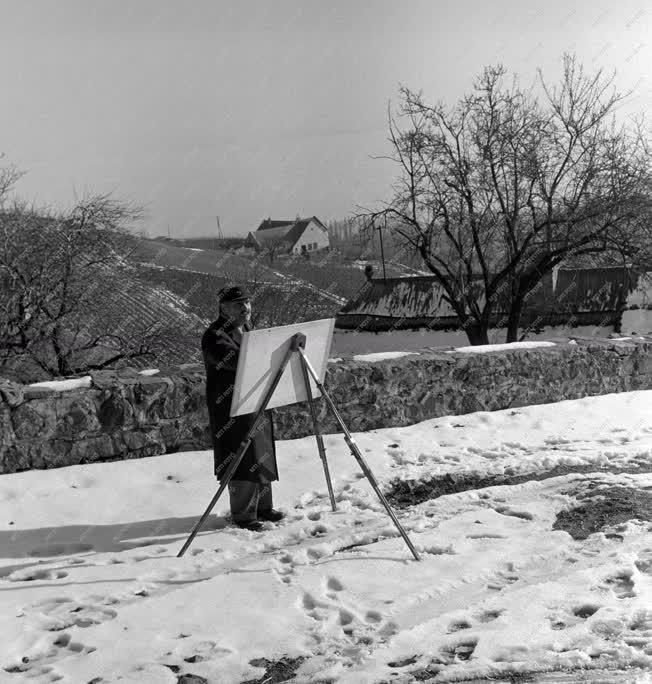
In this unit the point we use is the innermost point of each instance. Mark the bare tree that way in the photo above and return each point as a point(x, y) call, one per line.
point(497, 191)
point(62, 279)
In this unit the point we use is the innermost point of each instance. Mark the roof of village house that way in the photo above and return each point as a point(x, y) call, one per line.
point(269, 224)
point(409, 297)
point(576, 290)
point(274, 232)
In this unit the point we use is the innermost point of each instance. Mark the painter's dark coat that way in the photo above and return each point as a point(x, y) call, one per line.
point(221, 347)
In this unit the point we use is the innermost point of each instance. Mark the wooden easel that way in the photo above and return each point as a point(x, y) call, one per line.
point(297, 346)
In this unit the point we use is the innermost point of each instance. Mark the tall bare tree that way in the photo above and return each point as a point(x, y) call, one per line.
point(498, 190)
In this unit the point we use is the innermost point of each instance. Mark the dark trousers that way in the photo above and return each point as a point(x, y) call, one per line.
point(248, 499)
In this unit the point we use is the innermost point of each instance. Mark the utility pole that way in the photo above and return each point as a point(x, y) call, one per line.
point(220, 235)
point(382, 251)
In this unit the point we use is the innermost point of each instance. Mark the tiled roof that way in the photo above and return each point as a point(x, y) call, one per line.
point(399, 297)
point(282, 231)
point(574, 290)
point(268, 224)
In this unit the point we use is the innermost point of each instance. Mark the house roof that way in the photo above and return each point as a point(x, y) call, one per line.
point(271, 236)
point(573, 290)
point(268, 224)
point(272, 232)
point(400, 297)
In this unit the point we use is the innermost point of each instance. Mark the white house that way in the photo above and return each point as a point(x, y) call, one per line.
point(303, 235)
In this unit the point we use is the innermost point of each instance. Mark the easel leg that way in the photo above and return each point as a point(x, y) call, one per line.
point(315, 427)
point(223, 485)
point(358, 456)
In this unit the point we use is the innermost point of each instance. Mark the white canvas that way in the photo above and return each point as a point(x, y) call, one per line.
point(261, 355)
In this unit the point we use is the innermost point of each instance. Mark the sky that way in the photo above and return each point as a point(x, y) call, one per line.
point(248, 109)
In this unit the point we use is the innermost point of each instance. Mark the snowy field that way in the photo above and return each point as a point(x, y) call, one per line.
point(91, 589)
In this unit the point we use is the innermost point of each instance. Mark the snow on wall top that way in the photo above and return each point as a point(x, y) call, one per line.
point(484, 348)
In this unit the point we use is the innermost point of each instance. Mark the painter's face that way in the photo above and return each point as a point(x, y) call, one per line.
point(238, 312)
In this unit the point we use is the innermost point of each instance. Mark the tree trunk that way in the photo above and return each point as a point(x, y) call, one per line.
point(478, 333)
point(514, 319)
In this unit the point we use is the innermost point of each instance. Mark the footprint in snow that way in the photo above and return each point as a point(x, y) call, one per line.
point(403, 663)
point(503, 579)
point(318, 531)
point(585, 610)
point(39, 663)
point(345, 617)
point(333, 584)
point(31, 574)
point(622, 585)
point(489, 615)
point(644, 561)
point(373, 616)
point(62, 613)
point(463, 650)
point(200, 651)
point(523, 515)
point(458, 626)
point(285, 569)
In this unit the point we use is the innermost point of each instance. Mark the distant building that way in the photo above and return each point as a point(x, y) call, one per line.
point(303, 235)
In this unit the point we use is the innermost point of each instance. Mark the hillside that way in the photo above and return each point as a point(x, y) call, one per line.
point(288, 290)
point(213, 262)
point(274, 303)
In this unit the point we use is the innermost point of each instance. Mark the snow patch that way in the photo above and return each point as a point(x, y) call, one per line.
point(381, 356)
point(483, 348)
point(62, 385)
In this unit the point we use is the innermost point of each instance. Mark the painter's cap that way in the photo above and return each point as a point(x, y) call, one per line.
point(235, 293)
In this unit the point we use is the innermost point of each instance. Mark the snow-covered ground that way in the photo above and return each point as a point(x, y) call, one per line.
point(91, 589)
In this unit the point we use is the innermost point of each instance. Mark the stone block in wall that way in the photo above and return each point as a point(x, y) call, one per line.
point(144, 442)
point(75, 414)
point(113, 411)
point(53, 453)
point(91, 450)
point(7, 434)
point(14, 458)
point(11, 393)
point(34, 419)
point(190, 436)
point(105, 379)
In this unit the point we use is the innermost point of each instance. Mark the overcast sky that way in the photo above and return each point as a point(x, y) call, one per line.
point(248, 109)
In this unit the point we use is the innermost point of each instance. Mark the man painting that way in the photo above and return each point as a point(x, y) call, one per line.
point(250, 488)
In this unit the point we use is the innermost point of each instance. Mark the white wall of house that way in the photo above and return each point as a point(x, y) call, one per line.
point(314, 237)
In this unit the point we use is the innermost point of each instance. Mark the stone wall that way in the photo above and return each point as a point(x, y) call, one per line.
point(130, 415)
